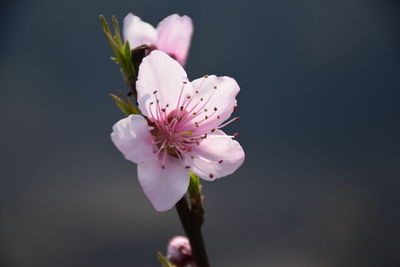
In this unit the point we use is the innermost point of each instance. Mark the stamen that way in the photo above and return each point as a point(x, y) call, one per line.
point(229, 122)
point(163, 157)
point(190, 118)
point(180, 94)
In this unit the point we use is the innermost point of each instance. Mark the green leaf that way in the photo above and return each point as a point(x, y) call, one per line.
point(114, 46)
point(195, 198)
point(126, 108)
point(117, 35)
point(194, 185)
point(104, 23)
point(164, 261)
point(128, 59)
point(132, 107)
point(122, 52)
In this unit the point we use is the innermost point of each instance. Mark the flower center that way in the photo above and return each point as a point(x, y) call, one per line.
point(178, 131)
point(170, 138)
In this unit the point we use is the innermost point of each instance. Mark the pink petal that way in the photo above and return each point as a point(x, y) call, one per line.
point(219, 98)
point(138, 32)
point(161, 78)
point(164, 187)
point(216, 156)
point(132, 137)
point(173, 36)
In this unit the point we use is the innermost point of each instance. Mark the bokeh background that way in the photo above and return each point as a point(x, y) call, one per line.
point(319, 108)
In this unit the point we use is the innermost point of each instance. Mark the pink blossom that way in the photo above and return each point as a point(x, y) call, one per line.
point(180, 131)
point(172, 35)
point(179, 251)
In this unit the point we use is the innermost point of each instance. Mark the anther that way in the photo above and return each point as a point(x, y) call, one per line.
point(201, 99)
point(155, 92)
point(213, 130)
point(163, 109)
point(187, 167)
point(162, 167)
point(235, 135)
point(205, 76)
point(215, 109)
point(220, 161)
point(211, 175)
point(205, 110)
point(218, 117)
point(197, 92)
point(234, 108)
point(215, 87)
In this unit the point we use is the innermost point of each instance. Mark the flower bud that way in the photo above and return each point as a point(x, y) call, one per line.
point(179, 252)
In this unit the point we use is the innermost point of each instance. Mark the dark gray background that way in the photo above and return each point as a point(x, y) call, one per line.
point(319, 108)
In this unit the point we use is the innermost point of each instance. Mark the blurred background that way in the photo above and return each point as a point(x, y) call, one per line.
point(319, 108)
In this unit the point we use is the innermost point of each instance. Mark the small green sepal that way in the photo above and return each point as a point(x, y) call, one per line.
point(122, 52)
point(164, 261)
point(125, 105)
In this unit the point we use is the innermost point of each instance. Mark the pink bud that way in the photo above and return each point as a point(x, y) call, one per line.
point(179, 252)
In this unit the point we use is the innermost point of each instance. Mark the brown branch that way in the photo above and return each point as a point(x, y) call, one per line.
point(191, 222)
